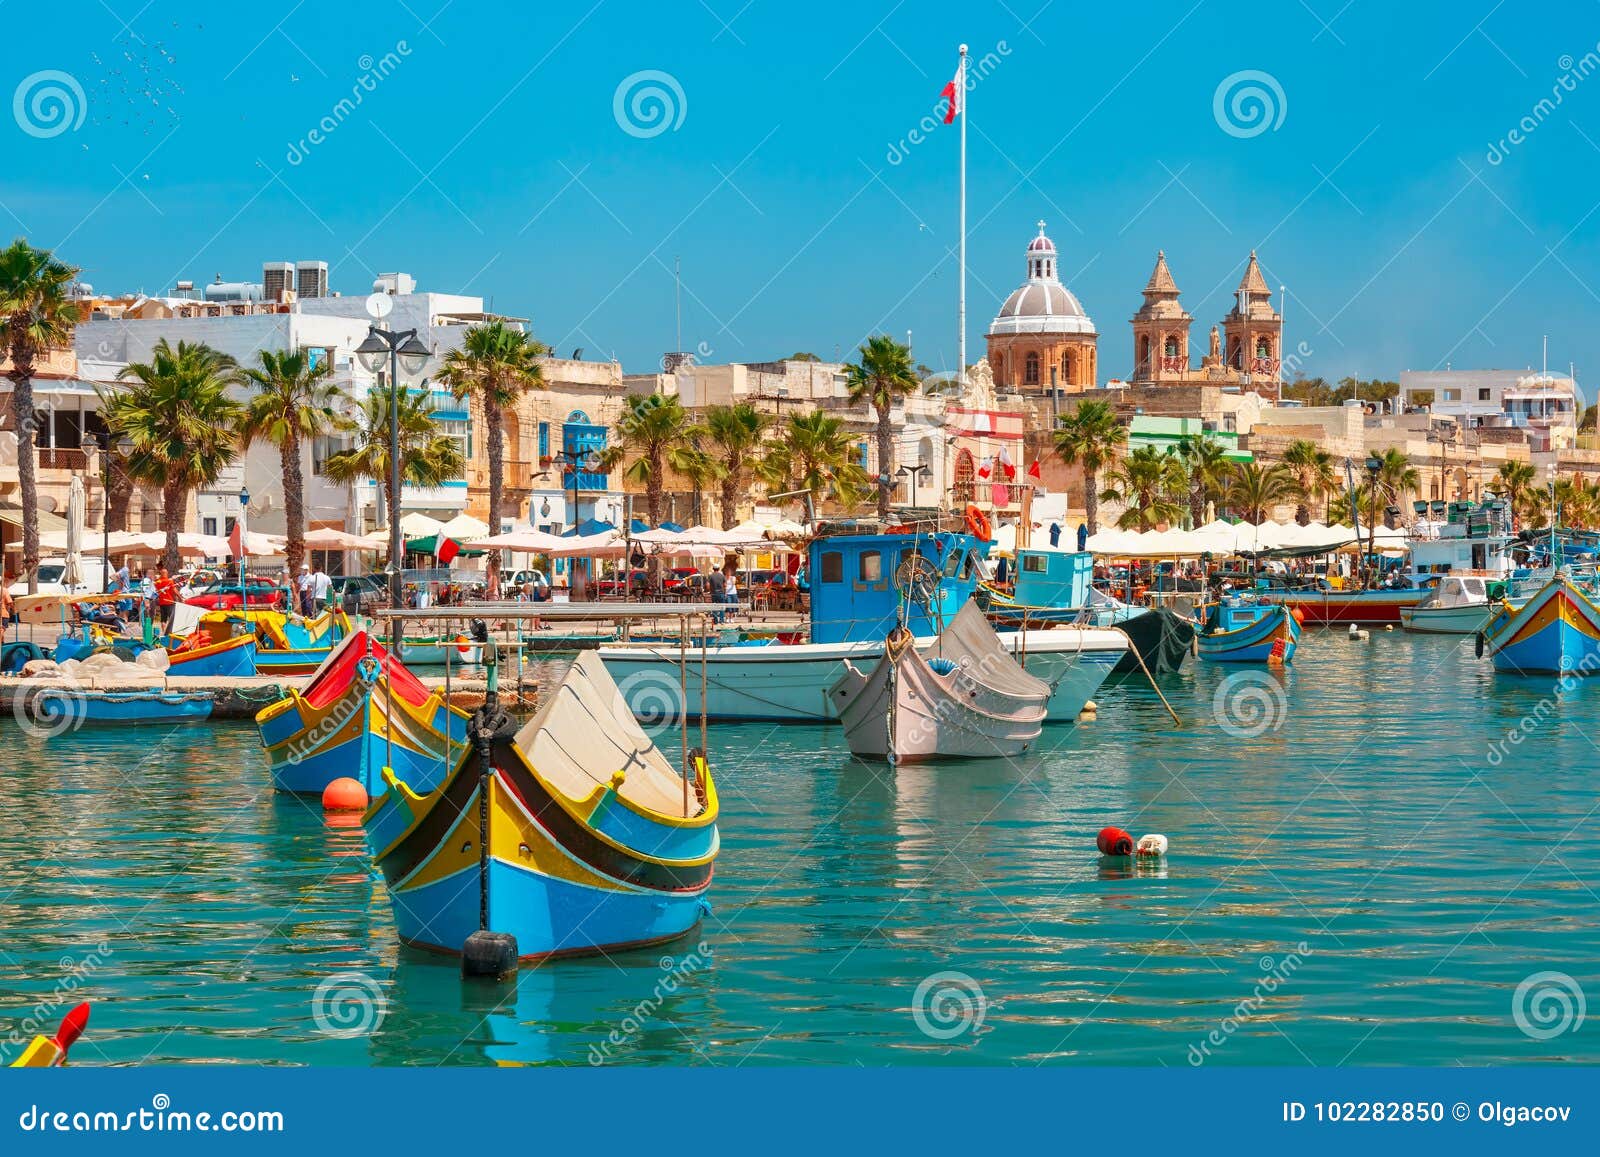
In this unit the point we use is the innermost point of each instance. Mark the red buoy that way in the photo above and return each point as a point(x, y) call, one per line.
point(1114, 842)
point(344, 795)
point(1299, 615)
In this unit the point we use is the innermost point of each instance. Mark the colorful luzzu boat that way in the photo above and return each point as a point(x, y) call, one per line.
point(361, 712)
point(596, 843)
point(1239, 631)
point(1555, 632)
point(217, 646)
point(290, 645)
point(48, 1052)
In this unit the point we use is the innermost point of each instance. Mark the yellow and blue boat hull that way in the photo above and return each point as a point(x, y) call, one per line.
point(1272, 638)
point(312, 740)
point(565, 877)
point(1557, 631)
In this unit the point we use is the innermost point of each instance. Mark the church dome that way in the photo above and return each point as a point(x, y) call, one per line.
point(1043, 305)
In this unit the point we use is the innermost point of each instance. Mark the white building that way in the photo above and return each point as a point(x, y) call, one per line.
point(120, 331)
point(1547, 407)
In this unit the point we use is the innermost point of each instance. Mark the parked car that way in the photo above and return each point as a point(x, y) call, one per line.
point(224, 595)
point(51, 570)
point(372, 590)
point(513, 585)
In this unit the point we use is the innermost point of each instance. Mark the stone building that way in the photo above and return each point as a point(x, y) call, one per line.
point(1041, 341)
point(1246, 352)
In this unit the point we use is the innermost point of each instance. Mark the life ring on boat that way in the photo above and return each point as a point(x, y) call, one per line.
point(978, 523)
point(463, 645)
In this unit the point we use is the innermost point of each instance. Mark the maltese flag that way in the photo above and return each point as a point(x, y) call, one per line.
point(955, 100)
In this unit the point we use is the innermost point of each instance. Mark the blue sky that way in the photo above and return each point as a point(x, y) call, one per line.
point(489, 158)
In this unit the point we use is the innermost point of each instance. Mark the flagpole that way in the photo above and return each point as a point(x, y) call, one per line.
point(961, 306)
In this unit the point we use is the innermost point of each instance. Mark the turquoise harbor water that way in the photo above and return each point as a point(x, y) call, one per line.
point(1366, 881)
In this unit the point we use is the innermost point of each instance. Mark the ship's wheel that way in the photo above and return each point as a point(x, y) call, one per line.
point(917, 579)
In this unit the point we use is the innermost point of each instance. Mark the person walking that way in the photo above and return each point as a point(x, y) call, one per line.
point(717, 584)
point(166, 598)
point(731, 587)
point(321, 588)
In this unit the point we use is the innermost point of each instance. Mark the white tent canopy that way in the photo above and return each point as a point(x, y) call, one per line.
point(328, 538)
point(1223, 538)
point(462, 528)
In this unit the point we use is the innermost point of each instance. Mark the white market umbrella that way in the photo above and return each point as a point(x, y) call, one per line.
point(329, 538)
point(72, 574)
point(462, 528)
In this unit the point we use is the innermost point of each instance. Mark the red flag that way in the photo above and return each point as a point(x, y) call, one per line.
point(447, 549)
point(984, 470)
point(955, 102)
point(236, 539)
point(1034, 471)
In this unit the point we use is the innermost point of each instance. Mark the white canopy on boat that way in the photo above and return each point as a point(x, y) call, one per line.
point(584, 737)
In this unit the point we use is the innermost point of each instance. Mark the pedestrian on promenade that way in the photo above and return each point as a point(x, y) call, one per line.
point(717, 582)
point(305, 584)
point(321, 589)
point(166, 598)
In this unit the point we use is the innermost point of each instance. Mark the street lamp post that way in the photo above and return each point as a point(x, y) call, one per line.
point(244, 547)
point(122, 446)
point(912, 472)
point(399, 349)
point(1373, 466)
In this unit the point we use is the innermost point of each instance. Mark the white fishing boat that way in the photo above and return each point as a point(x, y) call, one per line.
point(1460, 605)
point(788, 683)
point(961, 696)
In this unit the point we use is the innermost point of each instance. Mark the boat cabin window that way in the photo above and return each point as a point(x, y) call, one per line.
point(1035, 563)
point(952, 565)
point(969, 571)
point(870, 568)
point(832, 567)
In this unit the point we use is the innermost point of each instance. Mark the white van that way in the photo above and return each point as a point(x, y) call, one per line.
point(91, 571)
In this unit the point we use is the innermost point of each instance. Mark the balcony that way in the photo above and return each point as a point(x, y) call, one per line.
point(518, 475)
point(62, 459)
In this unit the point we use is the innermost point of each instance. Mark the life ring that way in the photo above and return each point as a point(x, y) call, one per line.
point(978, 523)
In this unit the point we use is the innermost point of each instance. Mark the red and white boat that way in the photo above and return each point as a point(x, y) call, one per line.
point(1323, 607)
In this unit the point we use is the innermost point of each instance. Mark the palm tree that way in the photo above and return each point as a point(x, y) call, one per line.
point(427, 457)
point(496, 365)
point(1090, 437)
point(1396, 476)
point(1255, 489)
point(1515, 481)
point(1208, 468)
point(651, 426)
point(733, 436)
point(182, 422)
point(1314, 475)
point(1151, 484)
point(698, 467)
point(295, 401)
point(815, 453)
point(884, 373)
point(36, 316)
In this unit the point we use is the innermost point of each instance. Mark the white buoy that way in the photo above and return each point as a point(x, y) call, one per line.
point(1151, 845)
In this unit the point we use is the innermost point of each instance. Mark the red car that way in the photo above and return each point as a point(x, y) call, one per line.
point(262, 594)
